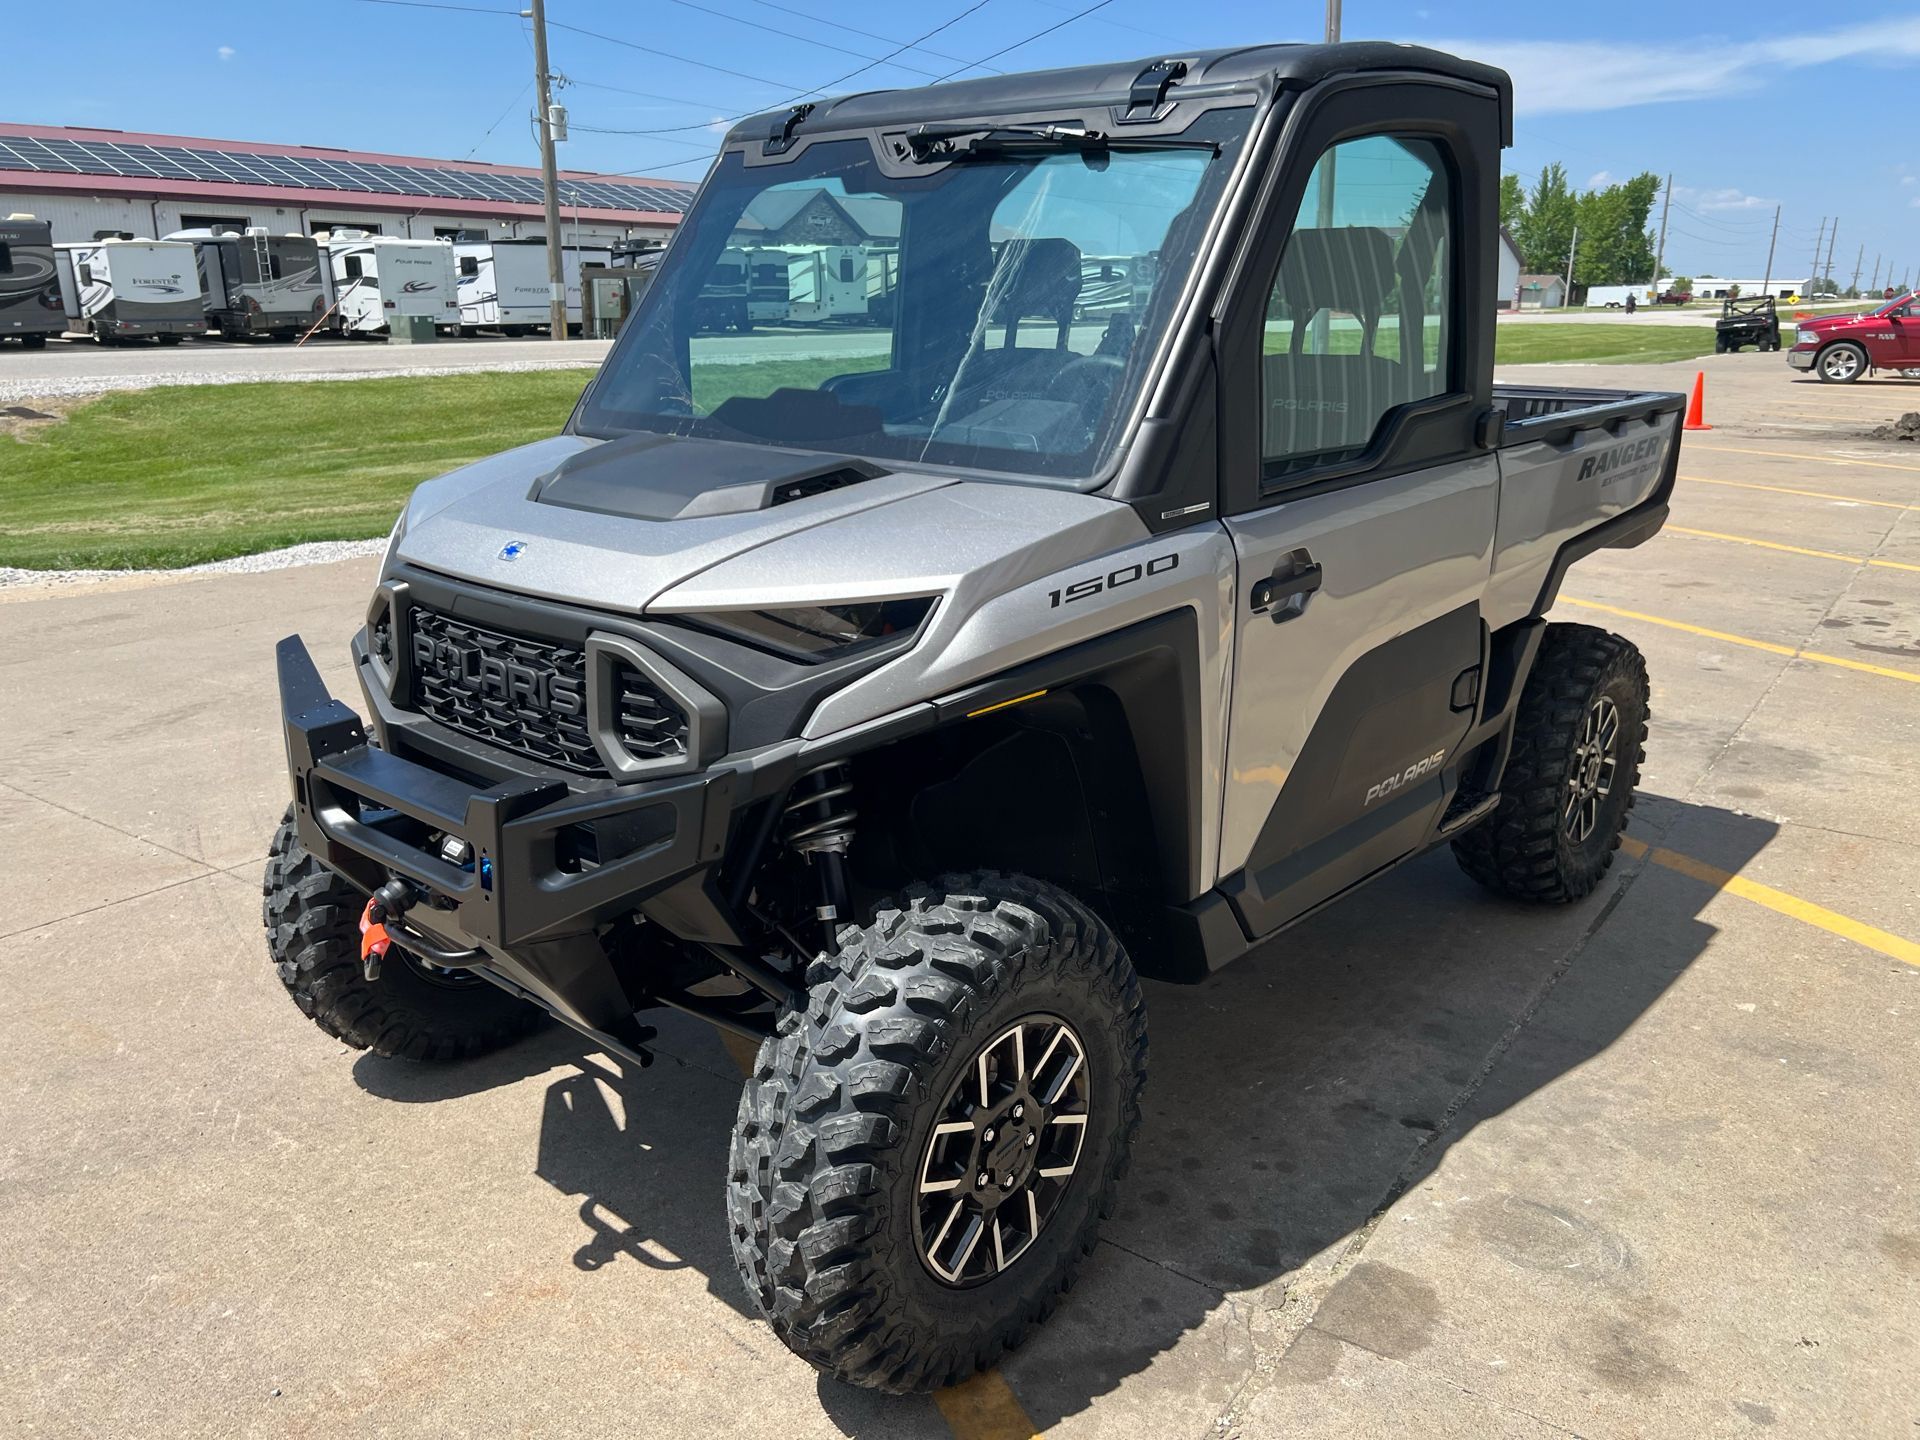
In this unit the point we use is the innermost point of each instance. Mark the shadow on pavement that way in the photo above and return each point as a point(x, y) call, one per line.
point(1293, 1097)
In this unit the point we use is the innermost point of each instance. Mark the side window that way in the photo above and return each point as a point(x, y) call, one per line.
point(1360, 314)
point(86, 273)
point(6, 258)
point(469, 265)
point(353, 267)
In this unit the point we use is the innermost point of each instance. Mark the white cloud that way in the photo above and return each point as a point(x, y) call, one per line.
point(1600, 180)
point(226, 52)
point(1727, 198)
point(1571, 76)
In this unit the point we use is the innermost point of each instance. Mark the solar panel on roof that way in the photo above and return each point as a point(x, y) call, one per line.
point(246, 167)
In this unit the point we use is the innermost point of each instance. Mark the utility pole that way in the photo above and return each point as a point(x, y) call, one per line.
point(1572, 250)
point(1833, 235)
point(1819, 239)
point(1873, 285)
point(1858, 261)
point(1333, 22)
point(1767, 284)
point(549, 180)
point(1660, 251)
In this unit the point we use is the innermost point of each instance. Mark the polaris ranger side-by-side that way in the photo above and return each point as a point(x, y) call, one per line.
point(896, 704)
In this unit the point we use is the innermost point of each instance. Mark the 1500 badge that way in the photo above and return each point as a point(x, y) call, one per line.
point(1112, 580)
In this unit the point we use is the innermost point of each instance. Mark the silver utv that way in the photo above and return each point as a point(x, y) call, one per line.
point(1153, 561)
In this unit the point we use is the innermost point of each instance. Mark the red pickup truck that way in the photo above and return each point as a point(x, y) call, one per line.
point(1842, 348)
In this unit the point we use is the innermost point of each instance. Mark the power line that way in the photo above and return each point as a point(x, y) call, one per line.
point(438, 5)
point(855, 30)
point(664, 54)
point(1077, 15)
point(788, 34)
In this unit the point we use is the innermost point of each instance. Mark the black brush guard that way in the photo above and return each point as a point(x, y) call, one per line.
point(524, 897)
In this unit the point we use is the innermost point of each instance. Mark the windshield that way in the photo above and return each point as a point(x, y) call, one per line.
point(998, 312)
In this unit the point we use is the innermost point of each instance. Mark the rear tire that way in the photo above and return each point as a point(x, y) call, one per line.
point(410, 1013)
point(1563, 806)
point(862, 1110)
point(34, 342)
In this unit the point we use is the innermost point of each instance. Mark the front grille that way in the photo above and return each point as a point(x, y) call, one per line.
point(530, 696)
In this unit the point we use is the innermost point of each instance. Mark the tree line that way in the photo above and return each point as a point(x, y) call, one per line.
point(1616, 245)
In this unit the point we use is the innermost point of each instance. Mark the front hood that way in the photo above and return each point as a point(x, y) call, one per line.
point(484, 523)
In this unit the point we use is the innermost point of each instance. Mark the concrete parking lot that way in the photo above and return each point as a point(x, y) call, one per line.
point(1430, 1164)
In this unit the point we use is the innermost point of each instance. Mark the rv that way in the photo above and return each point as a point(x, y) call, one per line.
point(30, 308)
point(254, 283)
point(378, 277)
point(504, 283)
point(119, 290)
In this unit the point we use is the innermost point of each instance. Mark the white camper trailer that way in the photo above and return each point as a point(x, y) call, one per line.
point(503, 285)
point(120, 290)
point(256, 283)
point(379, 277)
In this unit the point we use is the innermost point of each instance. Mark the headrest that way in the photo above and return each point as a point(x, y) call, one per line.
point(1044, 280)
point(1347, 268)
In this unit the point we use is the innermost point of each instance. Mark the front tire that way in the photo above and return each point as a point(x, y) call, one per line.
point(312, 918)
point(1841, 364)
point(1578, 743)
point(906, 1093)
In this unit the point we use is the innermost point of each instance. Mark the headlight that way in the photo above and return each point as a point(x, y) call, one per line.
point(821, 632)
point(393, 540)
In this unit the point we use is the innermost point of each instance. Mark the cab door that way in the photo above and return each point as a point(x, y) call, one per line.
point(1361, 499)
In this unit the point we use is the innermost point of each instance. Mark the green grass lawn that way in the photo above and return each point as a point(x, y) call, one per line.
point(1601, 344)
point(176, 476)
point(157, 478)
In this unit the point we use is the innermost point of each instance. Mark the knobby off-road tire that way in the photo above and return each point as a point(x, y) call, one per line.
point(831, 1148)
point(313, 934)
point(1531, 847)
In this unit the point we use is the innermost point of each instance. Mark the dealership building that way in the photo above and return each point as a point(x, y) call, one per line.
point(94, 183)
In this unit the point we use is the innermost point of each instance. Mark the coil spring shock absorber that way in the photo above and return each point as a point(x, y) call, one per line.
point(818, 823)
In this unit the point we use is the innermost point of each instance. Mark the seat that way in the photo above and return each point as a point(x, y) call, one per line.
point(1316, 401)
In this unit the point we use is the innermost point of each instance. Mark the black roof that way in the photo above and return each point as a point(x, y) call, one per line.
point(1246, 68)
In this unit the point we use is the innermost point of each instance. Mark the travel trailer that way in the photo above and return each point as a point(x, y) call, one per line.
point(378, 277)
point(255, 283)
point(119, 290)
point(30, 308)
point(504, 283)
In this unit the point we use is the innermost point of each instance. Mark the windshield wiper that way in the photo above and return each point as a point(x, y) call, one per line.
point(962, 142)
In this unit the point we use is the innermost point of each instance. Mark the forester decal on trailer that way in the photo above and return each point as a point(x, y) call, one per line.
point(1150, 564)
point(127, 289)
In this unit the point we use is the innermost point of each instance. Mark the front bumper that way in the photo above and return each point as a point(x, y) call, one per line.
point(548, 860)
point(1801, 359)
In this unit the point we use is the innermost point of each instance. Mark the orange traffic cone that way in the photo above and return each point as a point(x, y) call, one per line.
point(1697, 407)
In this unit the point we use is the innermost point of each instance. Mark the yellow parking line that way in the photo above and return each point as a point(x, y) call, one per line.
point(1696, 448)
point(1790, 549)
point(1893, 946)
point(1792, 652)
point(984, 1408)
point(1810, 494)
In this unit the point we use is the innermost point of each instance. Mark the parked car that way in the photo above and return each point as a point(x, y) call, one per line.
point(1842, 348)
point(1674, 297)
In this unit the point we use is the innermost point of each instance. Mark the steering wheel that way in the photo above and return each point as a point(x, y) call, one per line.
point(1086, 378)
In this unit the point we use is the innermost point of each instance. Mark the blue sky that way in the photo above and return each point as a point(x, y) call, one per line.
point(1748, 104)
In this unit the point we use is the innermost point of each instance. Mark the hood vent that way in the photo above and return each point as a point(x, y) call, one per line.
point(668, 477)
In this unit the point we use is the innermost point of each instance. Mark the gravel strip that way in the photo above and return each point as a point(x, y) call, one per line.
point(316, 552)
point(13, 391)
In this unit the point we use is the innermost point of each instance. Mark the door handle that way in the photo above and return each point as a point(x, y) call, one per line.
point(1285, 593)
